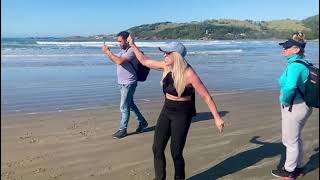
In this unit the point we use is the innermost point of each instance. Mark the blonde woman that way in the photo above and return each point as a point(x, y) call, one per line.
point(294, 111)
point(179, 82)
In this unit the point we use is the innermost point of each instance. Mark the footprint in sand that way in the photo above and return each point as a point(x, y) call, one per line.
point(39, 170)
point(54, 175)
point(27, 137)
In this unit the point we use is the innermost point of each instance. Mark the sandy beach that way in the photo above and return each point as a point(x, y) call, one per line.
point(76, 145)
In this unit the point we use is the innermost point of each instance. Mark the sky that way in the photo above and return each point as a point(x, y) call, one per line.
point(54, 18)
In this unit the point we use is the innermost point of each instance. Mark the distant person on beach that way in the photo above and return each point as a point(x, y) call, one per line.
point(179, 83)
point(127, 80)
point(294, 111)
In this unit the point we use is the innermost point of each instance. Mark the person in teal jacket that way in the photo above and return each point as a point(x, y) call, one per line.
point(294, 111)
point(294, 77)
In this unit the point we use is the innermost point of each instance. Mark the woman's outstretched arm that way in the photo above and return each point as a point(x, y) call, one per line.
point(153, 64)
point(203, 92)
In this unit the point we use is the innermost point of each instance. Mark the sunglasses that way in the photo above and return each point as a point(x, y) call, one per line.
point(167, 53)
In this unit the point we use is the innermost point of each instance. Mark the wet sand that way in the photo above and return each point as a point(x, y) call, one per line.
point(78, 144)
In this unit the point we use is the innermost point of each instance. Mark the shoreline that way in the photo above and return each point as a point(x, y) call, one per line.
point(78, 144)
point(137, 100)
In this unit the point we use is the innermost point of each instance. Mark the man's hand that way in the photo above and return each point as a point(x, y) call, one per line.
point(130, 40)
point(105, 49)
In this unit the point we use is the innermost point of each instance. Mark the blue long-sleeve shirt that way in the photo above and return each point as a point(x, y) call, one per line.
point(294, 76)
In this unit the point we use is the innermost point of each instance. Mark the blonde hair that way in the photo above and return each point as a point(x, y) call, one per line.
point(178, 72)
point(300, 37)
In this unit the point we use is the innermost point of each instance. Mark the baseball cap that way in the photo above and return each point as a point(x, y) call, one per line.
point(174, 47)
point(290, 42)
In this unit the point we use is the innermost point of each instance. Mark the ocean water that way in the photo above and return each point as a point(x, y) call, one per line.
point(58, 74)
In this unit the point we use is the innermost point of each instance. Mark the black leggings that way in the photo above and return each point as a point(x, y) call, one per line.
point(174, 121)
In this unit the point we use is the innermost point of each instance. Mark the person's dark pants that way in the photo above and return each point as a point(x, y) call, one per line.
point(174, 121)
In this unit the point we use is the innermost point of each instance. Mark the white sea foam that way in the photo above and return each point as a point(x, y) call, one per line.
point(98, 44)
point(230, 51)
point(49, 55)
point(87, 44)
point(140, 44)
point(215, 52)
point(206, 43)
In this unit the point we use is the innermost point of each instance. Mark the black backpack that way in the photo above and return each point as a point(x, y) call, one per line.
point(311, 94)
point(142, 71)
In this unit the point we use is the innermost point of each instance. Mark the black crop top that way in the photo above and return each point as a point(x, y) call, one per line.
point(168, 87)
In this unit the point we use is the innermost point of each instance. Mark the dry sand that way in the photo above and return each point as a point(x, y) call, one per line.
point(78, 144)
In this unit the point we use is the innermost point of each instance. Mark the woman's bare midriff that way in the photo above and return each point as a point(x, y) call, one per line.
point(176, 98)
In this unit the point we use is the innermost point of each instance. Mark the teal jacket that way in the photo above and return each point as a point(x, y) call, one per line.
point(294, 76)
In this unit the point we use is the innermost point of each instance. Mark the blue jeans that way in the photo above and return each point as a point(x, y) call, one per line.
point(127, 104)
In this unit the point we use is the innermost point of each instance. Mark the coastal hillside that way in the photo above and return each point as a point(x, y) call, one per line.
point(228, 29)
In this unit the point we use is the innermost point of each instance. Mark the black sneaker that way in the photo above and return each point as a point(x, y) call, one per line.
point(120, 134)
point(283, 173)
point(300, 171)
point(141, 127)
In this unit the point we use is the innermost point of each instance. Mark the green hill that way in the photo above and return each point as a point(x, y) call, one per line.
point(312, 23)
point(228, 29)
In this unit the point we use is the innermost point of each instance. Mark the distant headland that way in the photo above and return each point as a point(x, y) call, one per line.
point(222, 29)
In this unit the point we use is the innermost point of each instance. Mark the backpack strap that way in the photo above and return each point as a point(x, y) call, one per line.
point(292, 100)
point(301, 93)
point(294, 96)
point(132, 66)
point(307, 64)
